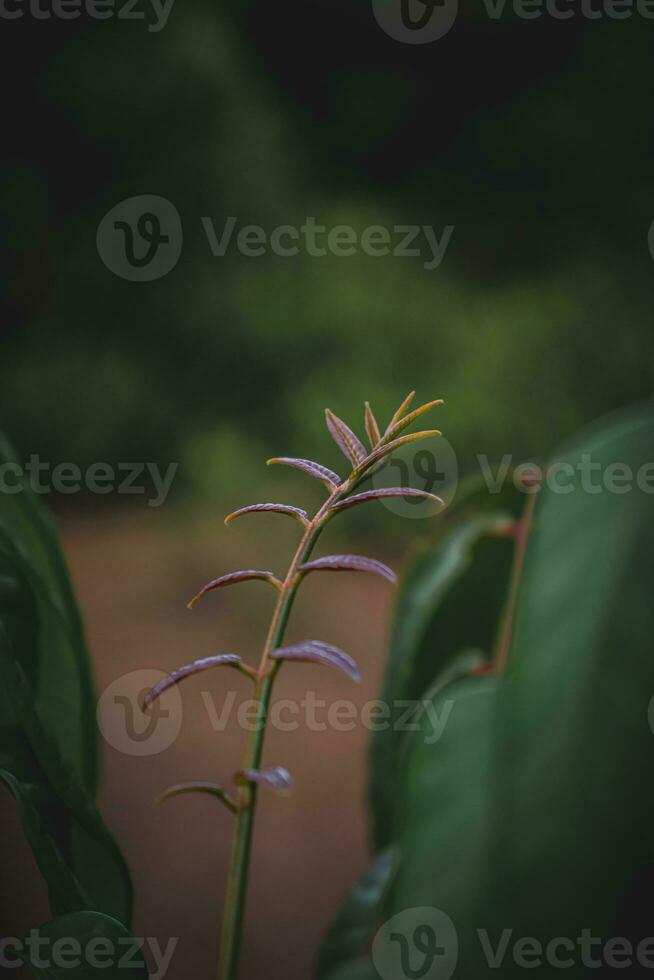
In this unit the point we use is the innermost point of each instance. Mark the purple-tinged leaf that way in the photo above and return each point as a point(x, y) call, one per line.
point(401, 410)
point(219, 660)
point(372, 429)
point(315, 651)
point(346, 440)
point(213, 789)
point(276, 778)
point(296, 512)
point(386, 448)
point(328, 477)
point(393, 431)
point(348, 563)
point(361, 498)
point(232, 578)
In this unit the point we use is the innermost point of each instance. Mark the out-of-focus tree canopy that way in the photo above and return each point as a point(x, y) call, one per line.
point(530, 137)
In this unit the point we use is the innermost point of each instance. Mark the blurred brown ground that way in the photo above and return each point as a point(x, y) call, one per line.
point(133, 574)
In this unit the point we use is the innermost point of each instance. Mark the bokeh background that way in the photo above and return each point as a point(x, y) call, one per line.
point(533, 138)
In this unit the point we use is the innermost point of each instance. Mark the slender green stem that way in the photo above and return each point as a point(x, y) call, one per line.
point(236, 895)
point(522, 534)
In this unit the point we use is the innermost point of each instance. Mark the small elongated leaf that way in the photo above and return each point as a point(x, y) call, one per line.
point(213, 789)
point(296, 512)
point(372, 429)
point(188, 670)
point(48, 730)
point(404, 407)
point(328, 477)
point(390, 447)
point(75, 852)
point(349, 563)
point(315, 651)
point(232, 579)
point(276, 778)
point(446, 788)
point(60, 664)
point(36, 814)
point(106, 949)
point(348, 940)
point(432, 625)
point(346, 440)
point(393, 431)
point(361, 498)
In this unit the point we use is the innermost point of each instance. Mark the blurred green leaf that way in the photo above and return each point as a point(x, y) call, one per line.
point(574, 734)
point(533, 811)
point(444, 827)
point(90, 944)
point(47, 709)
point(62, 685)
point(432, 624)
point(40, 830)
point(345, 946)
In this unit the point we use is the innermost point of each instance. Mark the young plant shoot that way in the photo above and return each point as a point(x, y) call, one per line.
point(242, 799)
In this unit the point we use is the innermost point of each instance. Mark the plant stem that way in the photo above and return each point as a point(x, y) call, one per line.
point(237, 880)
point(522, 533)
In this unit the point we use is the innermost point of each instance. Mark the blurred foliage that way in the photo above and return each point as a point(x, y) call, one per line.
point(541, 764)
point(524, 135)
point(48, 738)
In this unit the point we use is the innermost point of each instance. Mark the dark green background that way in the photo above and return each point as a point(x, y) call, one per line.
point(533, 138)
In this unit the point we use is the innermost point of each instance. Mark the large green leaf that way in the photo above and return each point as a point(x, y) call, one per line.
point(61, 820)
point(574, 732)
point(63, 691)
point(529, 820)
point(46, 717)
point(431, 626)
point(43, 832)
point(82, 946)
point(444, 828)
point(533, 812)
